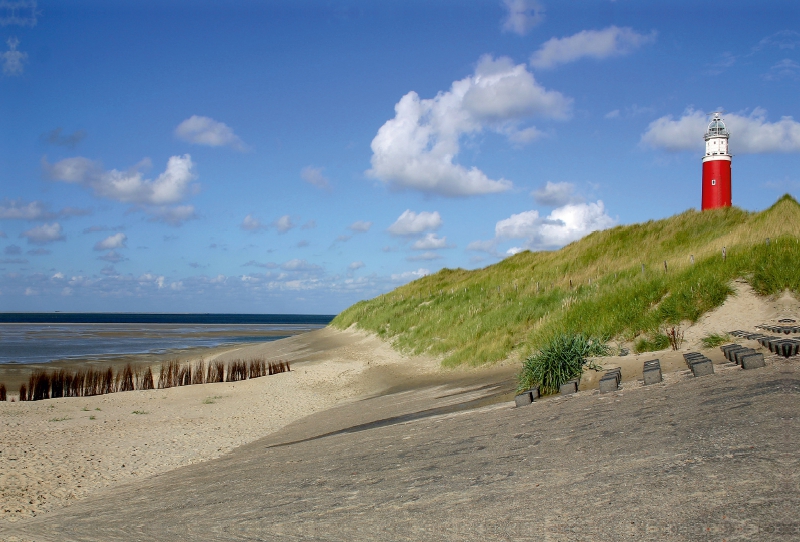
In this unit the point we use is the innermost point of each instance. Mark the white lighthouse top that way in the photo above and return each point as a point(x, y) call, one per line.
point(716, 128)
point(717, 140)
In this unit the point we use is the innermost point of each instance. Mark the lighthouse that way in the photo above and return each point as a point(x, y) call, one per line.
point(716, 166)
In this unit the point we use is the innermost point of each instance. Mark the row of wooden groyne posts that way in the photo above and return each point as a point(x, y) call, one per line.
point(89, 382)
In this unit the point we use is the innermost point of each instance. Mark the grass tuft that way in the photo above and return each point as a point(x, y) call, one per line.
point(561, 359)
point(713, 340)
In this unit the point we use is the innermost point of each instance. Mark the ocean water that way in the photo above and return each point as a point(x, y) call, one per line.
point(46, 337)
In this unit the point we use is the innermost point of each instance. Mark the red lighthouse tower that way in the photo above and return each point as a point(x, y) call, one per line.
point(716, 166)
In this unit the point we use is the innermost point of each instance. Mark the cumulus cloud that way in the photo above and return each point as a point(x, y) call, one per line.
point(207, 131)
point(556, 194)
point(251, 223)
point(284, 224)
point(750, 134)
point(174, 216)
point(12, 250)
point(111, 242)
point(300, 265)
point(417, 148)
point(46, 233)
point(411, 223)
point(360, 226)
point(313, 176)
point(430, 242)
point(154, 196)
point(522, 15)
point(18, 12)
point(356, 265)
point(410, 275)
point(34, 210)
point(562, 226)
point(597, 44)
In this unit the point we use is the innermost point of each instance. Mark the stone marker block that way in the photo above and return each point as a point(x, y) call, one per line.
point(534, 393)
point(726, 347)
point(702, 367)
point(730, 355)
point(523, 399)
point(753, 361)
point(609, 383)
point(568, 387)
point(652, 372)
point(737, 354)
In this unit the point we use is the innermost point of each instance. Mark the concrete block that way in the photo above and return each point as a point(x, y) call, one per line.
point(568, 387)
point(737, 354)
point(753, 361)
point(726, 347)
point(534, 393)
point(730, 355)
point(652, 372)
point(523, 399)
point(702, 367)
point(609, 383)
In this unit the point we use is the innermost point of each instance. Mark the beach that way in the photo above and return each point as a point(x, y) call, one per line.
point(58, 452)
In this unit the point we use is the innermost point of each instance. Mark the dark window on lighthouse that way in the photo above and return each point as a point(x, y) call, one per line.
point(713, 182)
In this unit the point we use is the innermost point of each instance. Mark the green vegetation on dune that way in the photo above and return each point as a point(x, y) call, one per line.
point(595, 286)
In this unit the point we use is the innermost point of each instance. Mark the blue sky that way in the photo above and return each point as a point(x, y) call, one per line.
point(296, 157)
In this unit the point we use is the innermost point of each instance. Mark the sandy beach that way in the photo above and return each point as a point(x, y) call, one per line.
point(56, 452)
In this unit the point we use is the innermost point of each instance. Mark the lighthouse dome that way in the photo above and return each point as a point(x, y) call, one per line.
point(716, 127)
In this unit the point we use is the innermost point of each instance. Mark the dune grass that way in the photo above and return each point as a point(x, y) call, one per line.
point(611, 283)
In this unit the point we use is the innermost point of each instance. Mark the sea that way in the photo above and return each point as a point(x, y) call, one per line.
point(48, 337)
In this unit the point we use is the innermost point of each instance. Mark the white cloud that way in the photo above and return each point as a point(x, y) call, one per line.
point(612, 114)
point(556, 194)
point(251, 223)
point(283, 224)
point(785, 69)
point(174, 215)
point(207, 131)
point(172, 186)
point(411, 223)
point(360, 226)
point(18, 12)
point(300, 265)
point(46, 233)
point(430, 242)
point(522, 15)
point(17, 209)
point(424, 257)
point(417, 148)
point(35, 210)
point(355, 265)
point(598, 44)
point(113, 257)
point(12, 59)
point(410, 275)
point(111, 242)
point(750, 134)
point(313, 176)
point(562, 226)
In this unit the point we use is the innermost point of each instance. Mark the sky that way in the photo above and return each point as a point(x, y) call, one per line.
point(299, 156)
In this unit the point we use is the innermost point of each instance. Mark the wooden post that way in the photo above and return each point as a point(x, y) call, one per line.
point(570, 284)
point(642, 269)
point(665, 266)
point(723, 254)
point(691, 259)
point(767, 241)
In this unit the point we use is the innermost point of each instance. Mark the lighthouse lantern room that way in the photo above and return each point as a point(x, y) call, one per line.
point(716, 166)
